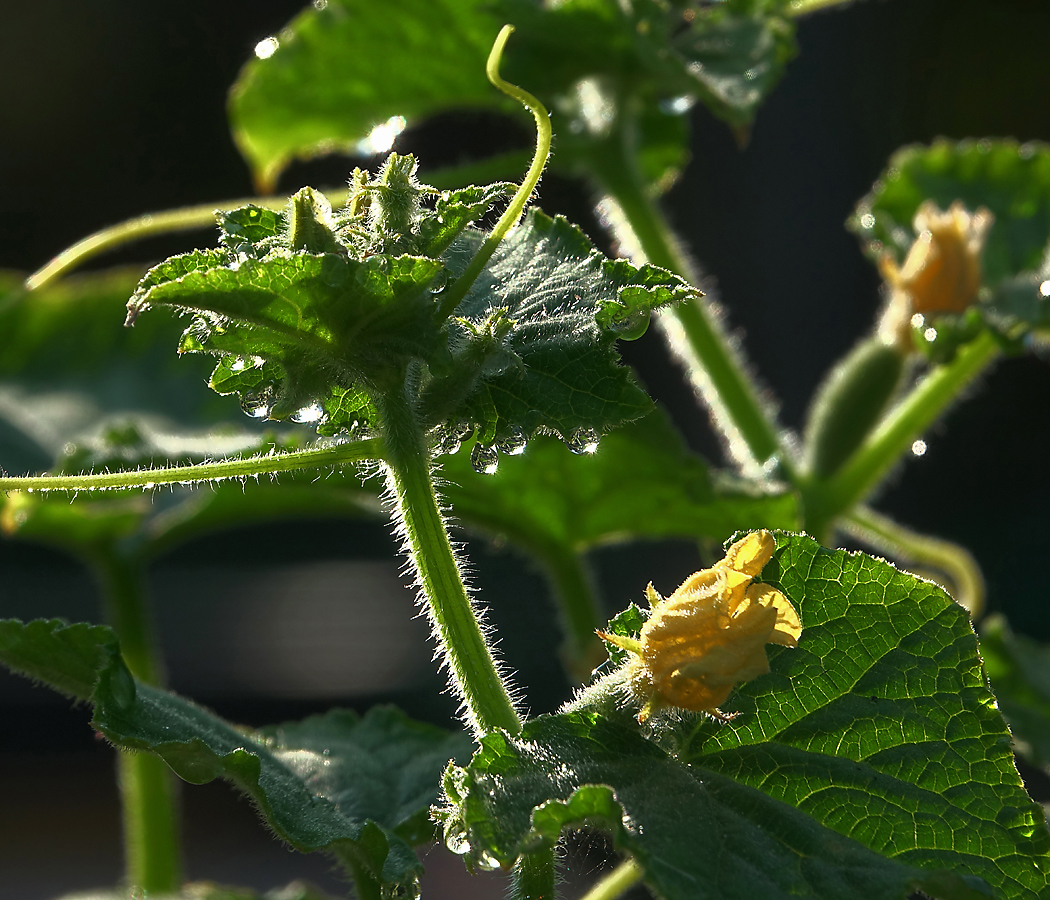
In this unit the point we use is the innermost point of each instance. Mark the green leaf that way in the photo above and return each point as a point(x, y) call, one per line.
point(67, 658)
point(340, 71)
point(737, 53)
point(642, 483)
point(315, 318)
point(317, 336)
point(1011, 180)
point(557, 367)
point(1019, 669)
point(870, 762)
point(358, 787)
point(1019, 303)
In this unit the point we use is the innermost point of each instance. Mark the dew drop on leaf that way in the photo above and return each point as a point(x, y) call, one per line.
point(677, 106)
point(513, 444)
point(439, 282)
point(584, 441)
point(633, 326)
point(452, 438)
point(312, 414)
point(257, 406)
point(487, 861)
point(484, 459)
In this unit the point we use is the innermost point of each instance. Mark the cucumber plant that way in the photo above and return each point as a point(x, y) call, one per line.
point(438, 368)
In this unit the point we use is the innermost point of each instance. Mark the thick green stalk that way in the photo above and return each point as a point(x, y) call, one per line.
point(534, 876)
point(617, 882)
point(923, 551)
point(487, 703)
point(692, 329)
point(893, 437)
point(152, 848)
point(582, 650)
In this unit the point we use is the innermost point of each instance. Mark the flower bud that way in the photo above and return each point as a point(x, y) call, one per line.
point(942, 271)
point(710, 634)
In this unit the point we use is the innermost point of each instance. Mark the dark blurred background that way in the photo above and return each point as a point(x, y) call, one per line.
point(113, 108)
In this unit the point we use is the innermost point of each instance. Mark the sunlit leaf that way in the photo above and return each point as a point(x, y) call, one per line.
point(870, 762)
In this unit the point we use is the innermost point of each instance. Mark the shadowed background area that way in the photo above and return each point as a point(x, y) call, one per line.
point(112, 109)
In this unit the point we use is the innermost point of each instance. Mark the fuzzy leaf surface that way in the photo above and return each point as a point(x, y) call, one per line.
point(1019, 669)
point(642, 483)
point(358, 787)
point(1010, 179)
point(870, 762)
point(558, 368)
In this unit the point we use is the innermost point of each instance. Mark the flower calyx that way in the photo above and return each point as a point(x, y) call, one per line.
point(710, 634)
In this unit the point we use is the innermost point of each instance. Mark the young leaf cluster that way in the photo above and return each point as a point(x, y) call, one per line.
point(314, 314)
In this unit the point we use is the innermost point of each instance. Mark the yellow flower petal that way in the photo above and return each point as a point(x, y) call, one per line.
point(710, 634)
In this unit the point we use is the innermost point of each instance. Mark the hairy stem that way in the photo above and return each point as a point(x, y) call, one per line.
point(474, 673)
point(455, 292)
point(913, 549)
point(892, 438)
point(617, 882)
point(248, 467)
point(152, 848)
point(169, 221)
point(692, 330)
point(534, 876)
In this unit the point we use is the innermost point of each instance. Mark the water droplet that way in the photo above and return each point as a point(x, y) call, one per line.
point(406, 890)
point(918, 448)
point(484, 459)
point(918, 320)
point(453, 438)
point(514, 443)
point(930, 334)
point(487, 861)
point(439, 282)
point(632, 326)
point(308, 415)
point(1044, 289)
point(867, 221)
point(458, 843)
point(677, 106)
point(584, 441)
point(267, 47)
point(381, 138)
point(258, 405)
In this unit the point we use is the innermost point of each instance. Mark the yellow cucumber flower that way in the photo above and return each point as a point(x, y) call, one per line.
point(942, 271)
point(710, 634)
